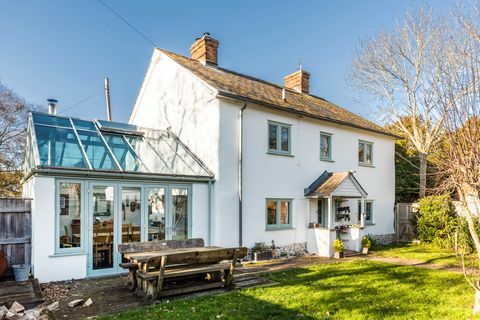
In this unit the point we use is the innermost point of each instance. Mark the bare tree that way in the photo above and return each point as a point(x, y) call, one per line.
point(458, 92)
point(13, 112)
point(398, 68)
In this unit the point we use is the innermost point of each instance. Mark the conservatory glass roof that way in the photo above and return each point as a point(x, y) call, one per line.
point(69, 143)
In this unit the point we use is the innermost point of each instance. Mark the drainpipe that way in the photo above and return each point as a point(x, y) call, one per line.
point(240, 176)
point(210, 213)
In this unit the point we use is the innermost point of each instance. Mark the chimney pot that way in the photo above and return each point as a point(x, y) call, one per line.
point(205, 50)
point(298, 81)
point(52, 106)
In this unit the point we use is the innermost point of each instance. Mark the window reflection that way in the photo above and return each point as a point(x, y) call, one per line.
point(156, 214)
point(70, 214)
point(103, 227)
point(58, 147)
point(131, 214)
point(271, 212)
point(180, 213)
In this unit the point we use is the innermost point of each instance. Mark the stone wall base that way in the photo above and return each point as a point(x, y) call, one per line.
point(383, 239)
point(289, 250)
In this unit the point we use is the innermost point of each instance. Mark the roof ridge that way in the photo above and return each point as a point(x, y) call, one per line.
point(311, 105)
point(240, 74)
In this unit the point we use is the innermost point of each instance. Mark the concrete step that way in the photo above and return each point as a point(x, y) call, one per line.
point(351, 253)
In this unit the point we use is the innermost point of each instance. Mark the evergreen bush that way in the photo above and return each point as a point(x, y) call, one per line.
point(436, 221)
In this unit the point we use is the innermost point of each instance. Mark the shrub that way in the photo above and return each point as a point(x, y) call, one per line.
point(366, 242)
point(259, 247)
point(465, 241)
point(338, 245)
point(262, 247)
point(436, 221)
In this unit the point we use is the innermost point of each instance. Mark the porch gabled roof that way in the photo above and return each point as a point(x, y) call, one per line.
point(335, 184)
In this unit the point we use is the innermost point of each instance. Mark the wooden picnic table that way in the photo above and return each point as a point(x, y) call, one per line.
point(153, 267)
point(140, 258)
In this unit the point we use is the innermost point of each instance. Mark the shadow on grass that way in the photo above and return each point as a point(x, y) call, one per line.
point(369, 289)
point(345, 290)
point(231, 305)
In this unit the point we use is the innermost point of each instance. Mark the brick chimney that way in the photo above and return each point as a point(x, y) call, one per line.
point(205, 50)
point(298, 81)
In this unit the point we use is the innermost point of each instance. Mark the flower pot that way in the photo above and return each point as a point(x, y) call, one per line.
point(337, 255)
point(365, 250)
point(21, 271)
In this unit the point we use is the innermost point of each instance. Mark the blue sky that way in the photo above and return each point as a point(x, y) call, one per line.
point(64, 49)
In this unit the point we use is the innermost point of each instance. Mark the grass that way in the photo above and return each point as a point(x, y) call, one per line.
point(421, 252)
point(358, 289)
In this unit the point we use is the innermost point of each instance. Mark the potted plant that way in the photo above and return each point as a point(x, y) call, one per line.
point(366, 244)
point(261, 251)
point(338, 249)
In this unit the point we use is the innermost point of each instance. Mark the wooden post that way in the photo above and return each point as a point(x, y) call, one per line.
point(229, 277)
point(163, 263)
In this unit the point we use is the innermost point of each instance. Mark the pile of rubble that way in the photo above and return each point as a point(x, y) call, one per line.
point(18, 312)
point(40, 312)
point(55, 291)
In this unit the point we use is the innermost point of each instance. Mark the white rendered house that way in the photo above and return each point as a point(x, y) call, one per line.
point(208, 153)
point(289, 166)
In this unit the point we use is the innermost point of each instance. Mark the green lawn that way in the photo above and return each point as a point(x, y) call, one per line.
point(423, 252)
point(358, 289)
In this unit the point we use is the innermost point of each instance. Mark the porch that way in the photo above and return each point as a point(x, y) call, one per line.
point(336, 210)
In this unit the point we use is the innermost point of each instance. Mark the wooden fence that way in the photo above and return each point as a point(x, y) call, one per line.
point(16, 230)
point(404, 230)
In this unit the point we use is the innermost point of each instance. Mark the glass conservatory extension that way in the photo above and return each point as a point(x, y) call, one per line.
point(59, 142)
point(96, 184)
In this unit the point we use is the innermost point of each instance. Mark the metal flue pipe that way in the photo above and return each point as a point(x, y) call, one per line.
point(107, 99)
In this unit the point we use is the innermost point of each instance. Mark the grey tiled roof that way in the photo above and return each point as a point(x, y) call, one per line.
point(236, 85)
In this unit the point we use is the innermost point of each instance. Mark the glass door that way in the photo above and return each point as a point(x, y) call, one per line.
point(157, 222)
point(102, 226)
point(168, 213)
point(179, 218)
point(131, 214)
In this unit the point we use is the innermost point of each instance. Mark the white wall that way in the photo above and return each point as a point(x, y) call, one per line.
point(267, 175)
point(50, 267)
point(172, 97)
point(200, 215)
point(46, 266)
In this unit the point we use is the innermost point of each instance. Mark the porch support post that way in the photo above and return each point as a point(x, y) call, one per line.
point(329, 213)
point(362, 213)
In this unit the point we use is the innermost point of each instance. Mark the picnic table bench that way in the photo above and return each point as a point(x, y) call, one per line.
point(214, 265)
point(155, 263)
point(150, 246)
